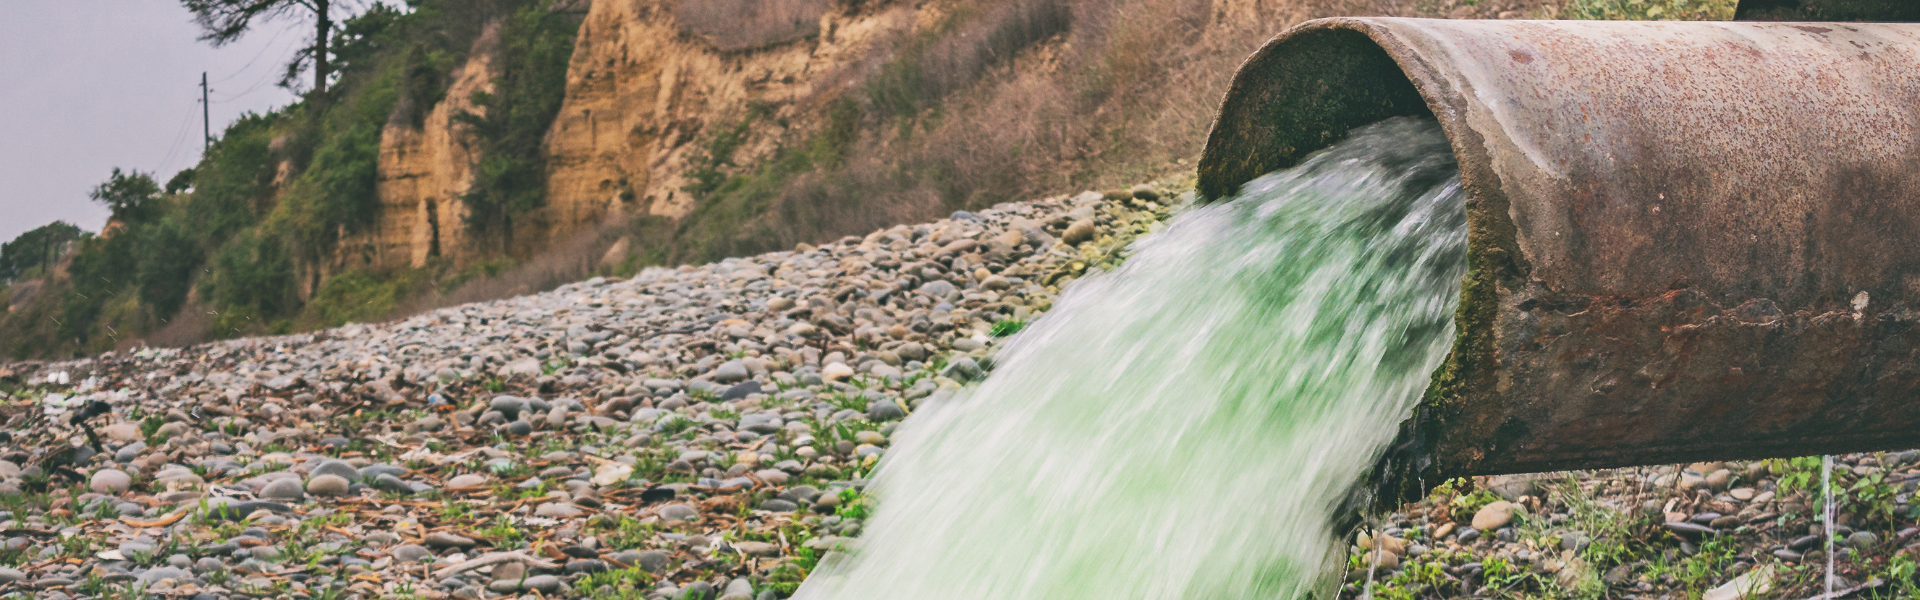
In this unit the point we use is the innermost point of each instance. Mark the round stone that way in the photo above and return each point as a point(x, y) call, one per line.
point(1493, 516)
point(110, 481)
point(467, 480)
point(337, 468)
point(545, 584)
point(283, 489)
point(411, 553)
point(678, 512)
point(836, 371)
point(327, 485)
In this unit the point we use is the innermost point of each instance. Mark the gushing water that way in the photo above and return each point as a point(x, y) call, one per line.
point(1186, 425)
point(1826, 517)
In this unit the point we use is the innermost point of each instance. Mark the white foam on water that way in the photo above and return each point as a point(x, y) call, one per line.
point(1186, 425)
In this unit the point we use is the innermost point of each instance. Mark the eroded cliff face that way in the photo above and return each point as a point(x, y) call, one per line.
point(423, 171)
point(642, 90)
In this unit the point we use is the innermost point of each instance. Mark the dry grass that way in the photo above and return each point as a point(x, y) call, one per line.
point(735, 25)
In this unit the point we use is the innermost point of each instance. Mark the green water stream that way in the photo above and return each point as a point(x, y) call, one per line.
point(1185, 425)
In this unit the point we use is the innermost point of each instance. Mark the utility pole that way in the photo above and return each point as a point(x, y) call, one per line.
point(206, 118)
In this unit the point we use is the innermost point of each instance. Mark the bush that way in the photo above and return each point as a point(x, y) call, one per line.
point(167, 259)
point(252, 286)
point(536, 46)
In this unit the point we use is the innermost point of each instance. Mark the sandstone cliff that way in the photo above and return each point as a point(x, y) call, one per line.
point(653, 83)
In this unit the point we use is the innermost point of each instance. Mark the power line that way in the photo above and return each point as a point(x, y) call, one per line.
point(179, 137)
point(257, 56)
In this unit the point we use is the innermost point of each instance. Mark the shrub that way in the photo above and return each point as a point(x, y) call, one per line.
point(167, 259)
point(510, 135)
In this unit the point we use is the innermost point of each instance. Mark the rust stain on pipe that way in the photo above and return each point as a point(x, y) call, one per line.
point(1688, 241)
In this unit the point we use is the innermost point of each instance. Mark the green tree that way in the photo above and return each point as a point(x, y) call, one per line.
point(132, 196)
point(223, 21)
point(41, 248)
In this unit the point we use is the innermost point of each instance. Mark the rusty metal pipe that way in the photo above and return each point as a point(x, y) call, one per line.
point(1688, 241)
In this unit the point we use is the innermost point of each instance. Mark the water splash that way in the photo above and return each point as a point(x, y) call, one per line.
point(1186, 425)
point(1826, 516)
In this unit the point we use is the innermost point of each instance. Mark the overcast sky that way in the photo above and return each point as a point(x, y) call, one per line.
point(88, 85)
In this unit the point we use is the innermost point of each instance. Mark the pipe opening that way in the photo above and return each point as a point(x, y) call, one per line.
point(1298, 94)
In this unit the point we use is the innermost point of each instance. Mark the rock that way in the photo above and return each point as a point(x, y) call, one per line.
point(778, 505)
point(388, 483)
point(410, 553)
point(327, 485)
point(678, 512)
point(757, 549)
point(110, 481)
point(467, 480)
point(442, 539)
point(836, 372)
point(337, 468)
point(730, 372)
point(1719, 480)
point(885, 409)
point(940, 288)
point(545, 584)
point(698, 590)
point(558, 510)
point(652, 561)
point(512, 571)
point(1079, 232)
point(509, 406)
point(1493, 516)
point(1512, 487)
point(122, 432)
point(283, 489)
point(741, 391)
point(1752, 584)
point(157, 574)
point(129, 452)
point(1862, 540)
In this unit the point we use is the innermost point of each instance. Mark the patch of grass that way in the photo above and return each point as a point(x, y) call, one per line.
point(618, 585)
point(1007, 327)
point(357, 296)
